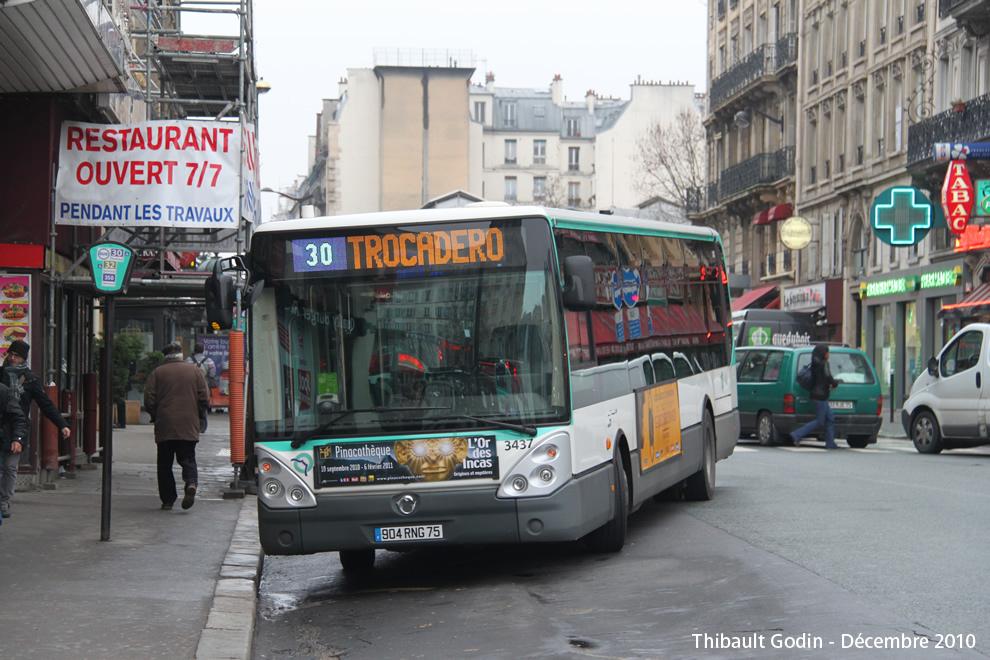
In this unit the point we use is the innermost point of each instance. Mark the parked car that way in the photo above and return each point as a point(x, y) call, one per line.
point(772, 404)
point(948, 405)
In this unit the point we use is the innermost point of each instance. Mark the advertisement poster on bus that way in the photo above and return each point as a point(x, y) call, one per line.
point(173, 173)
point(405, 461)
point(659, 424)
point(15, 310)
point(217, 348)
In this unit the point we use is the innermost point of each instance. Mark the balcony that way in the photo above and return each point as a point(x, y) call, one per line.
point(762, 169)
point(970, 125)
point(765, 61)
point(971, 15)
point(61, 45)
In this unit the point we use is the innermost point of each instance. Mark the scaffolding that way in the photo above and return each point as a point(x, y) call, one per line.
point(205, 73)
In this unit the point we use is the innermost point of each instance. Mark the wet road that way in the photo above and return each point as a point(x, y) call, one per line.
point(800, 547)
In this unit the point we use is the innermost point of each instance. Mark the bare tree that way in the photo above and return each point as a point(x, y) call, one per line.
point(555, 196)
point(671, 159)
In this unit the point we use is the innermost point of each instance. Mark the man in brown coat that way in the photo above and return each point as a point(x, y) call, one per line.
point(176, 396)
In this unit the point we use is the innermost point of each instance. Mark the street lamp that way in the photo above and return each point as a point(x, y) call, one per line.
point(743, 118)
point(287, 195)
point(262, 86)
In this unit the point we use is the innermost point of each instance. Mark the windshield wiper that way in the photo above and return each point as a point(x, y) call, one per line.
point(322, 428)
point(518, 428)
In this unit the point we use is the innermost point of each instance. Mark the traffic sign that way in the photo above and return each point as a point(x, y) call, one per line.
point(957, 196)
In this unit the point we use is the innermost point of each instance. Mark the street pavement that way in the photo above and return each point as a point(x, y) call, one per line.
point(167, 584)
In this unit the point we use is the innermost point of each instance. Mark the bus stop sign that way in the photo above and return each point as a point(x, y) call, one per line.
point(112, 264)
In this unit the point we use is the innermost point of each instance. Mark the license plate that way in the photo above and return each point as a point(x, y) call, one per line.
point(408, 533)
point(840, 405)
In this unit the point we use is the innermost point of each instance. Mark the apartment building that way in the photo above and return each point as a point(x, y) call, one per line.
point(751, 129)
point(540, 148)
point(413, 131)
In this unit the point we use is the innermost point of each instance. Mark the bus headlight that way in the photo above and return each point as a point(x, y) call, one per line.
point(542, 471)
point(282, 486)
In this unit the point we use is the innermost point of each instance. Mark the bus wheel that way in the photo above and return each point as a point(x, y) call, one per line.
point(701, 484)
point(611, 536)
point(356, 561)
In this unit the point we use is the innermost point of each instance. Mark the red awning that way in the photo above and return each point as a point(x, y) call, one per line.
point(750, 298)
point(762, 218)
point(980, 296)
point(773, 304)
point(781, 212)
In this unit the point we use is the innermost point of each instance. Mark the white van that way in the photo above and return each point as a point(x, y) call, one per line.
point(949, 403)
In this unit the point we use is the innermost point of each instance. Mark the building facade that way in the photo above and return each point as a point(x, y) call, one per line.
point(752, 129)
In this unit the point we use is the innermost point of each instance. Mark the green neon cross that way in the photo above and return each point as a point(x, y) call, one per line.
point(902, 216)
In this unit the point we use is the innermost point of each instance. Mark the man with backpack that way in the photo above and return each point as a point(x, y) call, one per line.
point(820, 386)
point(209, 370)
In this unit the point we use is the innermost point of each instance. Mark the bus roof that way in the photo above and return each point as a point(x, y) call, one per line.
point(562, 217)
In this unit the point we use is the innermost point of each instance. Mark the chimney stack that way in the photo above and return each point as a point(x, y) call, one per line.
point(557, 90)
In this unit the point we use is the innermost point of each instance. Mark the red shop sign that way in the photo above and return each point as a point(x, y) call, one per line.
point(957, 196)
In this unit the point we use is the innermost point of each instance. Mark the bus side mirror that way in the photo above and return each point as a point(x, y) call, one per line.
point(579, 283)
point(219, 299)
point(933, 366)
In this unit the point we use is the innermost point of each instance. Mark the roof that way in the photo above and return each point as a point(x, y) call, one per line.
point(750, 298)
point(559, 216)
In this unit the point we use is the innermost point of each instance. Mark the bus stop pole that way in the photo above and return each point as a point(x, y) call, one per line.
point(106, 412)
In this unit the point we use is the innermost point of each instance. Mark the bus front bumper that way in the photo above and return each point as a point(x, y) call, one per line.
point(468, 516)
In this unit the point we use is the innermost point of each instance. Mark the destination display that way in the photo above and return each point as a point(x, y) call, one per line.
point(412, 251)
point(406, 461)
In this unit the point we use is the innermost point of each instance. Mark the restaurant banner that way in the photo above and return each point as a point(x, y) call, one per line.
point(175, 173)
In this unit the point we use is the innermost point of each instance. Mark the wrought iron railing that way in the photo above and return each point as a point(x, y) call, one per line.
point(970, 125)
point(693, 200)
point(758, 170)
point(945, 7)
point(763, 61)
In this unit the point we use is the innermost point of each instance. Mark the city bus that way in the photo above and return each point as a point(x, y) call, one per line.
point(482, 375)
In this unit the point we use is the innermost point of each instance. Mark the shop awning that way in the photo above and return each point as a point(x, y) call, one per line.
point(762, 218)
point(971, 304)
point(752, 298)
point(780, 212)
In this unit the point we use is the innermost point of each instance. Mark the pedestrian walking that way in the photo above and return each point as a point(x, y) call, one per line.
point(209, 369)
point(13, 427)
point(822, 386)
point(176, 397)
point(26, 386)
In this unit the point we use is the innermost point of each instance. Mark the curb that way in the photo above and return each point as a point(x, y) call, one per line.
point(229, 631)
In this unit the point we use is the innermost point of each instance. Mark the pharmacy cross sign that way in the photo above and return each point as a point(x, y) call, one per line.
point(901, 216)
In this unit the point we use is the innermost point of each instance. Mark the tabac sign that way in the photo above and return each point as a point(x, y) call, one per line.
point(958, 196)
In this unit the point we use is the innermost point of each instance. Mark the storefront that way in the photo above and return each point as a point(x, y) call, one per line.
point(901, 327)
point(824, 301)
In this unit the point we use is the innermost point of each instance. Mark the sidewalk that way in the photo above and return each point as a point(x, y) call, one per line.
point(168, 584)
point(892, 429)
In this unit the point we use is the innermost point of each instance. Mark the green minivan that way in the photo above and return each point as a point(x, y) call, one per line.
point(772, 404)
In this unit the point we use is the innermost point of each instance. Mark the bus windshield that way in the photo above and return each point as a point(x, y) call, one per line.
point(395, 329)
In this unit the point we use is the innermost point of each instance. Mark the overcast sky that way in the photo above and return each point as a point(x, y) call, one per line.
point(303, 48)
